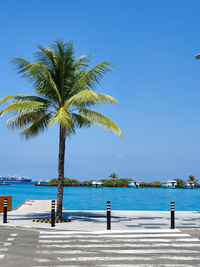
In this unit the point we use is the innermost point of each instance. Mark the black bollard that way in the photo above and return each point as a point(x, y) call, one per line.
point(108, 216)
point(172, 215)
point(5, 205)
point(53, 206)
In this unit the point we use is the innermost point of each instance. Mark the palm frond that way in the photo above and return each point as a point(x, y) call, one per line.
point(10, 97)
point(107, 98)
point(37, 126)
point(92, 77)
point(40, 76)
point(83, 97)
point(88, 98)
point(64, 61)
point(69, 131)
point(82, 62)
point(21, 65)
point(43, 76)
point(21, 107)
point(21, 120)
point(35, 98)
point(63, 118)
point(97, 118)
point(80, 121)
point(47, 57)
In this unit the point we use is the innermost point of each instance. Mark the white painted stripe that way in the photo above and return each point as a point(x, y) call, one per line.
point(72, 251)
point(189, 245)
point(119, 245)
point(150, 251)
point(41, 260)
point(60, 232)
point(122, 240)
point(7, 244)
point(120, 236)
point(181, 258)
point(124, 265)
point(10, 239)
point(130, 258)
point(73, 265)
point(144, 265)
point(3, 249)
point(130, 251)
point(13, 235)
point(91, 246)
point(138, 231)
point(1, 256)
point(104, 259)
point(146, 235)
point(70, 241)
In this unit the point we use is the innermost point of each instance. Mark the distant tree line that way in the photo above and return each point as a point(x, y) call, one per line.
point(54, 181)
point(115, 181)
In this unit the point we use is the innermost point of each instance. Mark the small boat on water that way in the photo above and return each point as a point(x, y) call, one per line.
point(170, 184)
point(133, 184)
point(188, 185)
point(96, 184)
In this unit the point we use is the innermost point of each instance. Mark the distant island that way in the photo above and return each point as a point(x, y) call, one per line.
point(115, 181)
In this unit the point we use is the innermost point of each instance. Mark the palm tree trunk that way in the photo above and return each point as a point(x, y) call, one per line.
point(61, 159)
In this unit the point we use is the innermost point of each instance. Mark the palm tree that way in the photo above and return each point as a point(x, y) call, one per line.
point(113, 176)
point(63, 87)
point(192, 179)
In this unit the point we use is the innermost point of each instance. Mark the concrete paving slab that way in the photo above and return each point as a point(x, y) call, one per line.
point(96, 220)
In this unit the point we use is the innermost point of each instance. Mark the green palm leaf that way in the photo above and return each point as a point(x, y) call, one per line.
point(40, 76)
point(80, 121)
point(10, 97)
point(97, 118)
point(47, 57)
point(37, 126)
point(21, 120)
point(92, 77)
point(88, 97)
point(82, 62)
point(63, 118)
point(21, 107)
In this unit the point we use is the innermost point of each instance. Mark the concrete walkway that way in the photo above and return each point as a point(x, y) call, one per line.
point(96, 220)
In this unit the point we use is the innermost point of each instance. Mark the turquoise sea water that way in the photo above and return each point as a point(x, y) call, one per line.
point(86, 198)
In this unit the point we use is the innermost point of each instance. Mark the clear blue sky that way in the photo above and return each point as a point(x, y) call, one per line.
point(156, 81)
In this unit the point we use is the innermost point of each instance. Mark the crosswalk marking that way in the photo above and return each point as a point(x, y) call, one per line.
point(41, 260)
point(130, 258)
point(127, 251)
point(150, 251)
point(153, 231)
point(72, 251)
point(125, 265)
point(70, 266)
point(123, 240)
point(3, 249)
point(10, 239)
point(180, 258)
point(120, 245)
point(111, 236)
point(7, 244)
point(119, 249)
point(13, 235)
point(138, 265)
point(104, 258)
